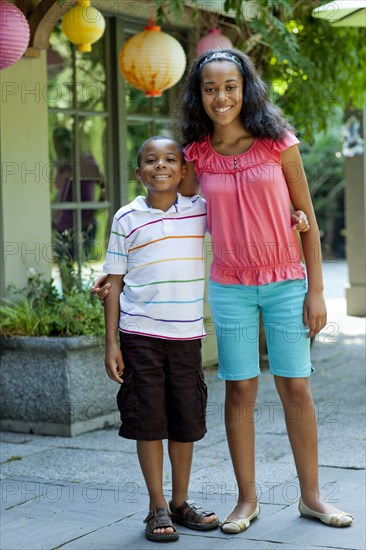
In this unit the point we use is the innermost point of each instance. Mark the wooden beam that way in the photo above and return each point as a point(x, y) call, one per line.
point(42, 20)
point(26, 6)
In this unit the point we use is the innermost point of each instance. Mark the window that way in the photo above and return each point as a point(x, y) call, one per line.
point(78, 145)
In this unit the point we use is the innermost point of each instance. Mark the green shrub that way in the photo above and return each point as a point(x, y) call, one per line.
point(40, 310)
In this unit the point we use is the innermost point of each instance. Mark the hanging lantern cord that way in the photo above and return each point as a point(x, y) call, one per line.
point(213, 21)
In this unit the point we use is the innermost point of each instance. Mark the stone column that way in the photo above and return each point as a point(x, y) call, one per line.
point(355, 198)
point(25, 172)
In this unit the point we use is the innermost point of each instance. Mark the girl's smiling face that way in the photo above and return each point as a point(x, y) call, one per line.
point(222, 91)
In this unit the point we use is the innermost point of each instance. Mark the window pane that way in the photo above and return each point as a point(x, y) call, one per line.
point(61, 157)
point(59, 68)
point(93, 157)
point(137, 102)
point(161, 104)
point(91, 78)
point(95, 240)
point(164, 128)
point(63, 188)
point(93, 188)
point(136, 135)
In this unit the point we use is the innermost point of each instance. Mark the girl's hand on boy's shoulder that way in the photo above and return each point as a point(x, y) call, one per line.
point(315, 312)
point(101, 288)
point(114, 363)
point(299, 221)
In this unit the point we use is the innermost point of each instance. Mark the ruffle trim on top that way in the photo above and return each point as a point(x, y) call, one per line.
point(191, 152)
point(262, 150)
point(218, 168)
point(208, 161)
point(256, 275)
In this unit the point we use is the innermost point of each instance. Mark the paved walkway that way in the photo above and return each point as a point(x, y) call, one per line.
point(87, 492)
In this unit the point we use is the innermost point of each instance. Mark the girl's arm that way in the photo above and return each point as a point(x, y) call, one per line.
point(315, 313)
point(113, 357)
point(189, 184)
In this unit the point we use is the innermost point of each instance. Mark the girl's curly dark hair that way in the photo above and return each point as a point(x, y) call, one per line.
point(260, 117)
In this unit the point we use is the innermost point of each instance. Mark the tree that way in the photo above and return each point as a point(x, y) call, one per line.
point(311, 67)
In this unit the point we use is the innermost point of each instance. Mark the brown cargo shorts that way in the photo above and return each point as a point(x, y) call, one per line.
point(164, 395)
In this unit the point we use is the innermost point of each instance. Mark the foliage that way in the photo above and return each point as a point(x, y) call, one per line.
point(42, 311)
point(324, 167)
point(311, 67)
point(324, 164)
point(164, 7)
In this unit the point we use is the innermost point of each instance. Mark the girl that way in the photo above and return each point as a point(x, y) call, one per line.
point(242, 153)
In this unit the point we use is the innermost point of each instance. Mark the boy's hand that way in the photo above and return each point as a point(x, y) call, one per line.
point(299, 221)
point(114, 363)
point(101, 288)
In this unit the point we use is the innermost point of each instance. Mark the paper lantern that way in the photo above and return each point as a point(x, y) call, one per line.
point(83, 25)
point(213, 39)
point(152, 61)
point(14, 34)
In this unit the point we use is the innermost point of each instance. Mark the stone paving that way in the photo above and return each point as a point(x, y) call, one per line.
point(87, 492)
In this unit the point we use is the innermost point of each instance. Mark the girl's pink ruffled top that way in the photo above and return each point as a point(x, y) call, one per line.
point(248, 213)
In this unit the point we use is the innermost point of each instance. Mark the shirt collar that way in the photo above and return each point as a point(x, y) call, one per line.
point(182, 203)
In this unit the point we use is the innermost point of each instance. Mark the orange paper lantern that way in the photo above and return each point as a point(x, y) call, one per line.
point(152, 61)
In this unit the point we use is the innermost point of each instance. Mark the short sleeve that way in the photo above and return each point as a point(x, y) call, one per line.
point(117, 253)
point(190, 152)
point(288, 140)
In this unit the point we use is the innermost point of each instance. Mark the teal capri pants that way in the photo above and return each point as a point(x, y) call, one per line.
point(235, 310)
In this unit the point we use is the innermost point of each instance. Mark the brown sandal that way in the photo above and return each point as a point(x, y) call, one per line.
point(157, 519)
point(190, 515)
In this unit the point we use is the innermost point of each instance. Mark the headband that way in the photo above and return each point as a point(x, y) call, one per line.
point(221, 55)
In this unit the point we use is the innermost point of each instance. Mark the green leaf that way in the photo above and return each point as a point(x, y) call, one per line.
point(40, 310)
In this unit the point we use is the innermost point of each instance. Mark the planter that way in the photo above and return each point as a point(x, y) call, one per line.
point(55, 386)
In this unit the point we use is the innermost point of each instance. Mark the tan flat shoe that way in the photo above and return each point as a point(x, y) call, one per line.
point(238, 525)
point(342, 519)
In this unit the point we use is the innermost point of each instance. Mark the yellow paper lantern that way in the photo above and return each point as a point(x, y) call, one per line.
point(152, 61)
point(83, 25)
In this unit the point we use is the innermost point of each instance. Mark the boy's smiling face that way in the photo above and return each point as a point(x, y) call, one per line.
point(161, 166)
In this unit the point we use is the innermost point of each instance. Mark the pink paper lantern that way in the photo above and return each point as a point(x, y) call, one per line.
point(213, 39)
point(14, 34)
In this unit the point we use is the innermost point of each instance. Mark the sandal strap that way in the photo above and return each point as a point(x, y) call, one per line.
point(190, 510)
point(157, 518)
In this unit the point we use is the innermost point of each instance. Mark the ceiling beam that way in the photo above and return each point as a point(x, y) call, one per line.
point(42, 16)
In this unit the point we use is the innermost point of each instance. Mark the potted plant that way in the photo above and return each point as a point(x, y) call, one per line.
point(52, 372)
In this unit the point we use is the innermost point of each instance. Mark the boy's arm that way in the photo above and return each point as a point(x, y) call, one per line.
point(315, 312)
point(113, 356)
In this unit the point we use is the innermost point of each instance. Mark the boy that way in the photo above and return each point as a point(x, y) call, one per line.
point(156, 270)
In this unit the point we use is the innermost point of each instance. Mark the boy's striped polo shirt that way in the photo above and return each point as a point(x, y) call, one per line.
point(161, 257)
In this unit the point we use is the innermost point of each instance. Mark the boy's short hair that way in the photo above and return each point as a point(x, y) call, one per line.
point(157, 138)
